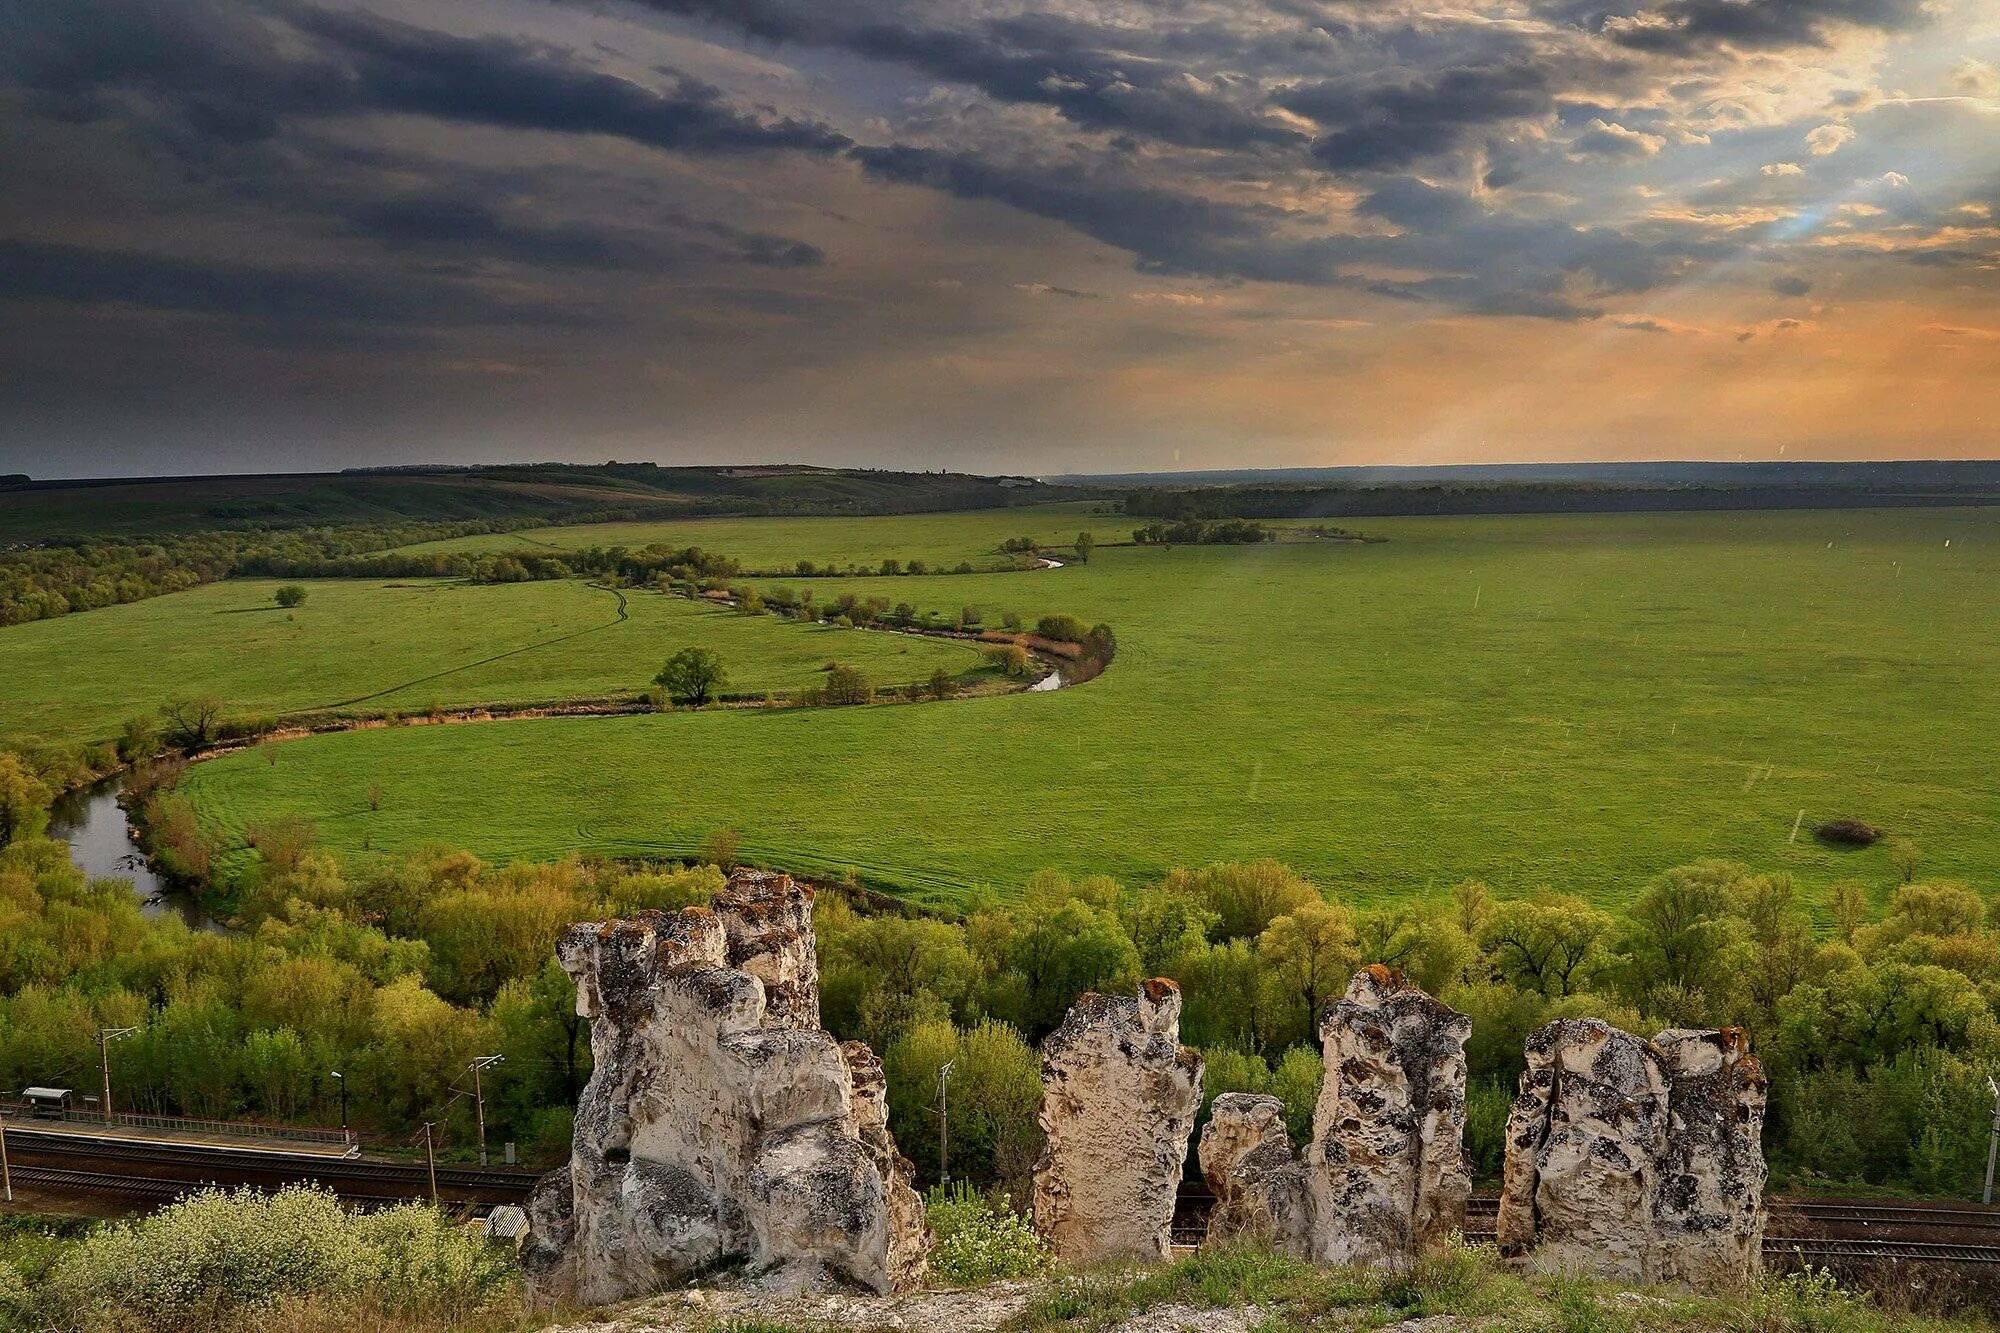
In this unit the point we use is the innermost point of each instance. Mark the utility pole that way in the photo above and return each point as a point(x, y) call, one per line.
point(479, 1098)
point(944, 1123)
point(6, 1172)
point(1992, 1139)
point(431, 1163)
point(342, 1080)
point(105, 1036)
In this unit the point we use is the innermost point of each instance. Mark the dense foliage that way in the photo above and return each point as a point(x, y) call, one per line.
point(401, 971)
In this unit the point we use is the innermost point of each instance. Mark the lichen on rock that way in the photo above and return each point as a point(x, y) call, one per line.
point(1258, 1183)
point(1636, 1160)
point(1709, 1212)
point(1386, 1167)
point(1119, 1098)
point(717, 1129)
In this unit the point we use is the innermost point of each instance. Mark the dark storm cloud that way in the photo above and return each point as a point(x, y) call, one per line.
point(222, 72)
point(1403, 123)
point(1043, 59)
point(1680, 27)
point(1791, 285)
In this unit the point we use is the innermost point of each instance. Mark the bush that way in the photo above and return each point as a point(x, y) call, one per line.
point(215, 1257)
point(978, 1241)
point(1848, 833)
point(291, 595)
point(942, 684)
point(1067, 629)
point(846, 685)
point(16, 1311)
point(1010, 659)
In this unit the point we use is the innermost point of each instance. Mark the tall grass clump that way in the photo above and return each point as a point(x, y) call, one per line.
point(218, 1260)
point(979, 1240)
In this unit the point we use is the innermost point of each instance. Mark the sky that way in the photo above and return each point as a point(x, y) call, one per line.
point(1083, 235)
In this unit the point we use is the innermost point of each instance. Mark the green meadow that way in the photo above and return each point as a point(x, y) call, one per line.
point(1571, 701)
point(405, 645)
point(941, 540)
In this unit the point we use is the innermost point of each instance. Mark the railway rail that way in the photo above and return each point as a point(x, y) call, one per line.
point(152, 1172)
point(153, 1169)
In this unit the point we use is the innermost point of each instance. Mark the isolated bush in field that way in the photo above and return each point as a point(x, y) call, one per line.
point(1065, 628)
point(193, 724)
point(720, 848)
point(693, 675)
point(1848, 833)
point(1084, 544)
point(1010, 659)
point(943, 684)
point(979, 1241)
point(846, 685)
point(291, 595)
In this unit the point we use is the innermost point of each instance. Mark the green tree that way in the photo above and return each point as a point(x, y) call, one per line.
point(1084, 544)
point(846, 685)
point(1312, 949)
point(24, 800)
point(1550, 944)
point(692, 675)
point(290, 595)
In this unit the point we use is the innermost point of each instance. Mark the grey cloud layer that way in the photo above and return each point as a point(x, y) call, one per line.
point(1465, 159)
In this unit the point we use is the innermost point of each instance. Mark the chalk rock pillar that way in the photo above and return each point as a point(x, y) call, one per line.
point(1709, 1212)
point(714, 1129)
point(1119, 1098)
point(1386, 1167)
point(909, 1236)
point(1585, 1141)
point(768, 918)
point(1259, 1185)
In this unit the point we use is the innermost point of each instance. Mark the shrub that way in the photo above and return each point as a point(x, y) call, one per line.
point(291, 595)
point(214, 1257)
point(16, 1312)
point(1067, 629)
point(721, 847)
point(979, 1241)
point(846, 685)
point(1010, 659)
point(1848, 833)
point(943, 684)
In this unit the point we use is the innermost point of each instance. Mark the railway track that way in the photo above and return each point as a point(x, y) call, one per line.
point(148, 1171)
point(154, 1172)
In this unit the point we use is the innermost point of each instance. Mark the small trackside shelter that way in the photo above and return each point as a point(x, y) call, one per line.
point(47, 1103)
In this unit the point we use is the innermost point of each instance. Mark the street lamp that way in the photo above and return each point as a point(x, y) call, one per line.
point(1992, 1139)
point(342, 1079)
point(105, 1036)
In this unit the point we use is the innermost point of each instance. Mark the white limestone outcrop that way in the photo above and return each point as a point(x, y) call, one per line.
point(720, 1125)
point(1386, 1166)
point(1636, 1160)
point(1119, 1098)
point(1258, 1183)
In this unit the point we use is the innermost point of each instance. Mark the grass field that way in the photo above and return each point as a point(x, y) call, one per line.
point(403, 645)
point(1576, 701)
point(942, 540)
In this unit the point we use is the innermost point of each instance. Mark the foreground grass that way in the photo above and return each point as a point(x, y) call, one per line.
point(1575, 701)
point(404, 644)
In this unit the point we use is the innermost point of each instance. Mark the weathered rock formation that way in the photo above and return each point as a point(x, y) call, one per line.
point(1119, 1097)
point(1709, 1215)
point(1387, 1163)
point(1636, 1160)
point(720, 1126)
point(1259, 1185)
